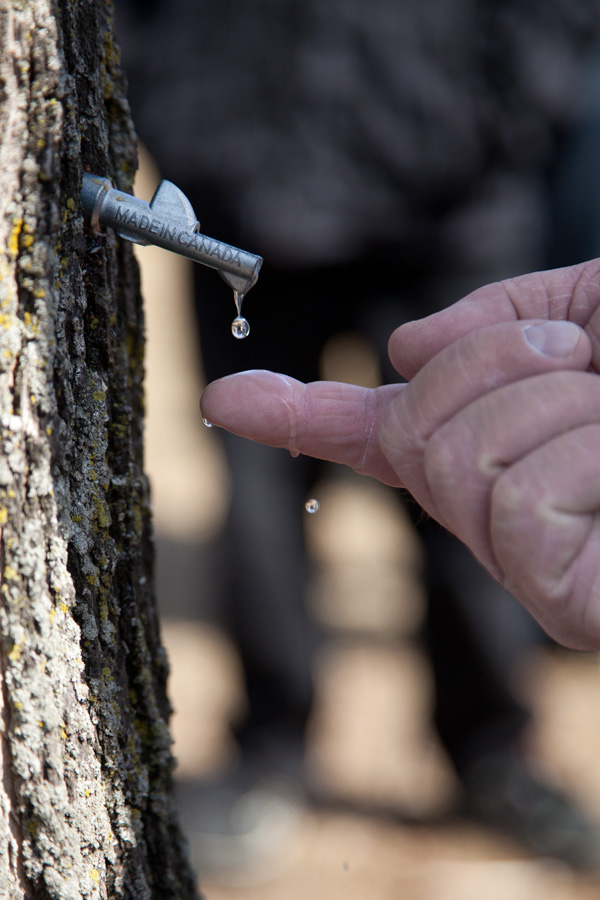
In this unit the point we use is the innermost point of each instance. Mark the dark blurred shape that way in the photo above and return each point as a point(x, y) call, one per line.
point(385, 158)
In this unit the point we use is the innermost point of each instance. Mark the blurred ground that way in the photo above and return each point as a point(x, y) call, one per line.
point(370, 741)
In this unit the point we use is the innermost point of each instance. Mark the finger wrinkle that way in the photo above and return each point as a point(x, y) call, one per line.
point(371, 410)
point(592, 330)
point(578, 296)
point(372, 460)
point(558, 302)
point(578, 311)
point(585, 295)
point(295, 389)
point(536, 289)
point(506, 286)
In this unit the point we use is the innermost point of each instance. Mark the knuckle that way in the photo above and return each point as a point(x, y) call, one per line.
point(512, 499)
point(444, 459)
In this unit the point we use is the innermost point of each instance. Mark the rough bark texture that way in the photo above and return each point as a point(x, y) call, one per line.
point(85, 789)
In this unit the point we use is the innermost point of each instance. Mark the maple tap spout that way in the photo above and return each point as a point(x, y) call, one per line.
point(168, 221)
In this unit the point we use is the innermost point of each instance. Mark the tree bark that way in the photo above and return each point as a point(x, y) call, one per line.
point(86, 805)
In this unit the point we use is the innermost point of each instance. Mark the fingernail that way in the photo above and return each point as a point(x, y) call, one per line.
point(553, 338)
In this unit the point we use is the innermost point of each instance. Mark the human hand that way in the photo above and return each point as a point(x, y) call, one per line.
point(497, 434)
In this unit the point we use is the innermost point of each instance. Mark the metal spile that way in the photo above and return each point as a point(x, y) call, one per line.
point(168, 221)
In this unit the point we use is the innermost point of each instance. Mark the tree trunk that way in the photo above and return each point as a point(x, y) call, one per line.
point(86, 806)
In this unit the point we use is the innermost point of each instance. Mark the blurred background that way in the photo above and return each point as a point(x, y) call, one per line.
point(360, 710)
point(370, 739)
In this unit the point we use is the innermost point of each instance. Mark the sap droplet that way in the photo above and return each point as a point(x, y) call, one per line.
point(207, 423)
point(312, 506)
point(240, 327)
point(295, 453)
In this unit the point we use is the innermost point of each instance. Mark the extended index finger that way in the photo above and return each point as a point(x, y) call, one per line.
point(324, 419)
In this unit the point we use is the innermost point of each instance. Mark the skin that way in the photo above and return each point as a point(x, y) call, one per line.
point(496, 434)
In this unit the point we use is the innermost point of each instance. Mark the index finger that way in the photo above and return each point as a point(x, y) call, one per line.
point(326, 419)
